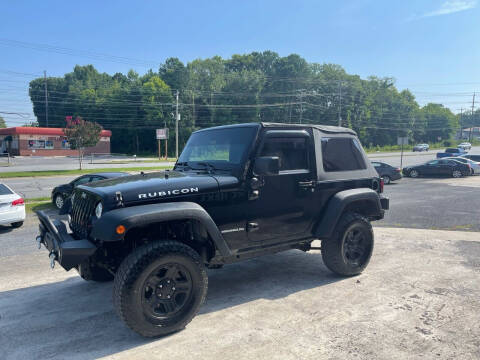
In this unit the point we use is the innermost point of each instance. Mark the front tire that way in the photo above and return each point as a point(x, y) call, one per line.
point(350, 248)
point(414, 174)
point(17, 224)
point(160, 287)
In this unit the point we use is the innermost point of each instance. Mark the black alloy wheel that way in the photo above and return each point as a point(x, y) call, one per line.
point(166, 291)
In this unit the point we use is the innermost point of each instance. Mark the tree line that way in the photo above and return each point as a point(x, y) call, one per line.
point(260, 86)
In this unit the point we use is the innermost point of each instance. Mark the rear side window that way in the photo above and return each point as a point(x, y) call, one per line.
point(4, 190)
point(342, 154)
point(451, 150)
point(292, 152)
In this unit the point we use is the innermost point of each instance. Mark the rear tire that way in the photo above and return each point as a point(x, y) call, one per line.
point(349, 249)
point(17, 224)
point(386, 179)
point(457, 174)
point(160, 287)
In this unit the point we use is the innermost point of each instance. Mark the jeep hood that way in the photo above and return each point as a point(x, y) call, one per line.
point(157, 186)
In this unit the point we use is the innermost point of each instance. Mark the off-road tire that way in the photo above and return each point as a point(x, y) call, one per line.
point(135, 270)
point(17, 224)
point(94, 273)
point(333, 247)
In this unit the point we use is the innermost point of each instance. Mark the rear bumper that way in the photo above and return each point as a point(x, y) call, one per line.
point(62, 247)
point(395, 176)
point(13, 215)
point(385, 203)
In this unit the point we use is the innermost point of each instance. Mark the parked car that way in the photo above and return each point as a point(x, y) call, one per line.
point(471, 157)
point(421, 147)
point(62, 192)
point(474, 165)
point(465, 146)
point(12, 207)
point(441, 167)
point(387, 172)
point(449, 152)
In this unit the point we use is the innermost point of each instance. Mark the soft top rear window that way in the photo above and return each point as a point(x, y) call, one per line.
point(451, 150)
point(4, 190)
point(342, 154)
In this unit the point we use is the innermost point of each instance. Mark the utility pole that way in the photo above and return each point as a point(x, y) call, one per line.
point(471, 123)
point(46, 96)
point(461, 124)
point(176, 127)
point(340, 104)
point(301, 105)
point(193, 110)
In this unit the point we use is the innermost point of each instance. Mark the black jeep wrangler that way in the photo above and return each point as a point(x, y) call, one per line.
point(235, 193)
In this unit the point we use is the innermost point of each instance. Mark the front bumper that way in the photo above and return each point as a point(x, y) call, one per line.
point(62, 247)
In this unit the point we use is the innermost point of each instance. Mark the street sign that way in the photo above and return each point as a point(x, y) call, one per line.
point(402, 140)
point(162, 134)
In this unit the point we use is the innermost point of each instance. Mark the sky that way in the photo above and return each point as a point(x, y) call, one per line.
point(430, 47)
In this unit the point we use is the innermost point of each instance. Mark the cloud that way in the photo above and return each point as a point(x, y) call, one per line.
point(452, 6)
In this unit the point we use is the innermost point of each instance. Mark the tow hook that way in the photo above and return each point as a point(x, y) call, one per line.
point(52, 257)
point(39, 241)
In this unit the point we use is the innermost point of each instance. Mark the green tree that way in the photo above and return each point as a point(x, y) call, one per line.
point(2, 123)
point(81, 134)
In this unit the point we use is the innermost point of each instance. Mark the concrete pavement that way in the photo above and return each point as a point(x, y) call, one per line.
point(419, 298)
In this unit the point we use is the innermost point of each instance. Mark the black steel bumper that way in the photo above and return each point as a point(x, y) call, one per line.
point(63, 248)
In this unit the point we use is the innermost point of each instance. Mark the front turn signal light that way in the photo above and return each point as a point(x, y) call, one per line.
point(120, 229)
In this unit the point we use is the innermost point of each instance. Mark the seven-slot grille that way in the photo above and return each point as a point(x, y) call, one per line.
point(83, 208)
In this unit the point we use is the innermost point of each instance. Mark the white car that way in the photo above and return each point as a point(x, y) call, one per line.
point(465, 146)
point(12, 207)
point(474, 165)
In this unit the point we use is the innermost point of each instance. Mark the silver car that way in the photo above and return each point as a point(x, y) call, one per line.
point(421, 147)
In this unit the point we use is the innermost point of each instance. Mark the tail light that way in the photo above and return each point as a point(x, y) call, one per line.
point(398, 170)
point(18, 202)
point(382, 184)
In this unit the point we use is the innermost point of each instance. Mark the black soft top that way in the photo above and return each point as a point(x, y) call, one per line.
point(323, 128)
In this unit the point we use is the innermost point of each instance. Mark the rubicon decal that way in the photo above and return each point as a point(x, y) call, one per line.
point(168, 192)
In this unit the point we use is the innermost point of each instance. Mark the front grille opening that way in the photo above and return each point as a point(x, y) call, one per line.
point(83, 208)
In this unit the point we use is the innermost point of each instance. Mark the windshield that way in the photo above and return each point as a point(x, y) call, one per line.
point(223, 148)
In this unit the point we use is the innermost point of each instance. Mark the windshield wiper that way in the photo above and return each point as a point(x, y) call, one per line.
point(208, 166)
point(184, 164)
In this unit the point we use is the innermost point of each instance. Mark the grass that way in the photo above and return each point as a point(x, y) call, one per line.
point(13, 174)
point(31, 207)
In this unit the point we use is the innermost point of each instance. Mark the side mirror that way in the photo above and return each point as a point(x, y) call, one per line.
point(267, 165)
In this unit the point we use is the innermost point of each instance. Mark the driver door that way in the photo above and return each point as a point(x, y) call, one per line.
point(283, 208)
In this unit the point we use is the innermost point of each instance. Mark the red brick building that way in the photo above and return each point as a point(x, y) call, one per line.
point(39, 141)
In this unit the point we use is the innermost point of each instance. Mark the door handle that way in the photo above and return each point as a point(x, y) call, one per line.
point(252, 226)
point(307, 185)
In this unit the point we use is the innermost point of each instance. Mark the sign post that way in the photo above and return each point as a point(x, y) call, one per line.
point(162, 134)
point(402, 141)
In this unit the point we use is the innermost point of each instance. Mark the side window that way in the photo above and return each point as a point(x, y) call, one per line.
point(342, 154)
point(82, 180)
point(292, 152)
point(377, 165)
point(95, 178)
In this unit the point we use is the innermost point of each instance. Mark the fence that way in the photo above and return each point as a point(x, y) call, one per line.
point(108, 157)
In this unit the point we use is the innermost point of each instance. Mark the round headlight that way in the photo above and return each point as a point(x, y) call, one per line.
point(98, 210)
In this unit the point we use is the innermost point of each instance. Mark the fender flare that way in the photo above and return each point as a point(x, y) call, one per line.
point(337, 204)
point(105, 228)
